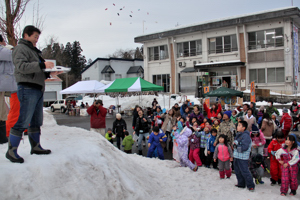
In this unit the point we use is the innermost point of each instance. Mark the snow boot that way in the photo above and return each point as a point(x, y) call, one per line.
point(293, 192)
point(279, 181)
point(228, 173)
point(13, 145)
point(273, 182)
point(222, 174)
point(34, 139)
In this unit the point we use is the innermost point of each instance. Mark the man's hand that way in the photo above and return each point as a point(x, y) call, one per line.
point(49, 65)
point(149, 145)
point(55, 73)
point(144, 119)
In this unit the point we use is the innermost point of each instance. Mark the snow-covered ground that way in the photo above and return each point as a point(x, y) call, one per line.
point(83, 165)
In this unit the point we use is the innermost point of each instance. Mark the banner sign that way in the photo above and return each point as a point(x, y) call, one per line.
point(252, 92)
point(296, 55)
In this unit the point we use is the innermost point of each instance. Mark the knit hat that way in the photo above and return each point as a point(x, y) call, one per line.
point(109, 129)
point(254, 129)
point(118, 116)
point(209, 127)
point(274, 114)
point(228, 113)
point(284, 110)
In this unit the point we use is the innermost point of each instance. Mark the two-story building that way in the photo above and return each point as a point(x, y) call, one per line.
point(260, 47)
point(109, 69)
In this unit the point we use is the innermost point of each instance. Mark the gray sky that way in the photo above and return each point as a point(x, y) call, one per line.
point(89, 23)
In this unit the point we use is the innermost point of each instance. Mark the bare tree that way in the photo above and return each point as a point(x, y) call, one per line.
point(10, 14)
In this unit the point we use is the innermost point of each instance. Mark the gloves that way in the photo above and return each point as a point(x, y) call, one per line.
point(273, 153)
point(236, 142)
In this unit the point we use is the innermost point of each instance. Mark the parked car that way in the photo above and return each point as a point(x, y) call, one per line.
point(59, 105)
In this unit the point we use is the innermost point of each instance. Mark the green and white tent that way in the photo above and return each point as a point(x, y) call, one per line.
point(134, 84)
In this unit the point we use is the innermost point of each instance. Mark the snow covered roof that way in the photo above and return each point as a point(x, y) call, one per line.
point(222, 22)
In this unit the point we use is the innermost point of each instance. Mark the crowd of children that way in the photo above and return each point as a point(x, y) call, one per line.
point(238, 139)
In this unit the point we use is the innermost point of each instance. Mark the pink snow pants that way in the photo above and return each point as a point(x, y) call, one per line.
point(194, 156)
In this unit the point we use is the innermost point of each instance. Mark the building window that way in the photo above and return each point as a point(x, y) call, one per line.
point(107, 77)
point(275, 75)
point(191, 48)
point(257, 75)
point(223, 44)
point(266, 38)
point(118, 76)
point(162, 80)
point(158, 53)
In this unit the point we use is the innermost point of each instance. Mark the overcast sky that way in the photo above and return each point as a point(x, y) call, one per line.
point(100, 30)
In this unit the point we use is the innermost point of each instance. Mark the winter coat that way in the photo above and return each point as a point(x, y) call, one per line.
point(294, 108)
point(204, 137)
point(292, 157)
point(271, 110)
point(234, 119)
point(210, 143)
point(226, 128)
point(253, 166)
point(185, 115)
point(215, 127)
point(199, 116)
point(242, 113)
point(135, 115)
point(258, 140)
point(250, 120)
point(182, 141)
point(97, 116)
point(168, 119)
point(108, 136)
point(223, 152)
point(259, 121)
point(194, 142)
point(142, 126)
point(29, 65)
point(274, 146)
point(118, 127)
point(267, 128)
point(286, 121)
point(211, 113)
point(7, 79)
point(154, 139)
point(243, 147)
point(127, 142)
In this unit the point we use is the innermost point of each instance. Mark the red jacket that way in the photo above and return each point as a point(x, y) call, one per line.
point(212, 113)
point(274, 146)
point(286, 121)
point(97, 120)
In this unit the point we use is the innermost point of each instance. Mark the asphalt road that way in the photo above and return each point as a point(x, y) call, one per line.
point(84, 122)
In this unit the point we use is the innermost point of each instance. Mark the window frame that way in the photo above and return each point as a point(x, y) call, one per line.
point(216, 42)
point(277, 39)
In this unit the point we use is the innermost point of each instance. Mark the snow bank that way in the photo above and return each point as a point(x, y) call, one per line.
point(83, 165)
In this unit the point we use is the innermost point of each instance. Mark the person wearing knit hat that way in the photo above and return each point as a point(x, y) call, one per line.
point(285, 122)
point(228, 113)
point(119, 127)
point(209, 127)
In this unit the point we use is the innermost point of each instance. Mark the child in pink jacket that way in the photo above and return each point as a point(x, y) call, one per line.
point(224, 154)
point(258, 141)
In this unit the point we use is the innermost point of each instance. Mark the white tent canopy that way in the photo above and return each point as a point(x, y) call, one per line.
point(83, 87)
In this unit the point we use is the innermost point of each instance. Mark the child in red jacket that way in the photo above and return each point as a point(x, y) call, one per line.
point(275, 169)
point(285, 122)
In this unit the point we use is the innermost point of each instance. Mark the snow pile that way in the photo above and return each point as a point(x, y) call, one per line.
point(83, 165)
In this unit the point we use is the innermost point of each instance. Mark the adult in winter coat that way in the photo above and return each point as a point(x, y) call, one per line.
point(142, 128)
point(183, 107)
point(196, 113)
point(254, 110)
point(176, 109)
point(135, 115)
point(119, 127)
point(213, 111)
point(267, 128)
point(169, 122)
point(285, 122)
point(7, 84)
point(29, 74)
point(250, 119)
point(183, 141)
point(244, 111)
point(227, 128)
point(294, 107)
point(186, 113)
point(98, 113)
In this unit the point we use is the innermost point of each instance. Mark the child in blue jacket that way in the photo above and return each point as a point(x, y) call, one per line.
point(211, 149)
point(154, 142)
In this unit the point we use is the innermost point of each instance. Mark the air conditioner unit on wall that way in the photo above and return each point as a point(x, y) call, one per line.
point(181, 64)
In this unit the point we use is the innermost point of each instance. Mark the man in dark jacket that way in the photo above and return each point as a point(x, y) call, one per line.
point(98, 113)
point(30, 76)
point(119, 127)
